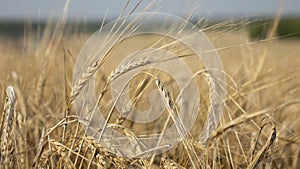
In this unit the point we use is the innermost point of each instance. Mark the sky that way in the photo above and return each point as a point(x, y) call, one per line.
point(96, 9)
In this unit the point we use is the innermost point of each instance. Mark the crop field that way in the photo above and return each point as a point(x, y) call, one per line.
point(248, 119)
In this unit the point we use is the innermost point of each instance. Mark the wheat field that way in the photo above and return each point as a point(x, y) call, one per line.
point(40, 128)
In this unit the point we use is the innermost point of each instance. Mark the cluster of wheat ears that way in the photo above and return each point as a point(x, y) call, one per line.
point(40, 129)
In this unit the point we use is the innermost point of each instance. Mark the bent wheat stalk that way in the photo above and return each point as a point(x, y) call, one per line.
point(245, 117)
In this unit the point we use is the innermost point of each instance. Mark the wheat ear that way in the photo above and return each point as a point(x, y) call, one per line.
point(169, 164)
point(40, 85)
point(129, 65)
point(7, 148)
point(262, 153)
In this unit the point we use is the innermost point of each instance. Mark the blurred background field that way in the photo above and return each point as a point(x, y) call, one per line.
point(231, 38)
point(257, 29)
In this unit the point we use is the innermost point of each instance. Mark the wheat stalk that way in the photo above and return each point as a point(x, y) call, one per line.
point(213, 115)
point(183, 133)
point(93, 67)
